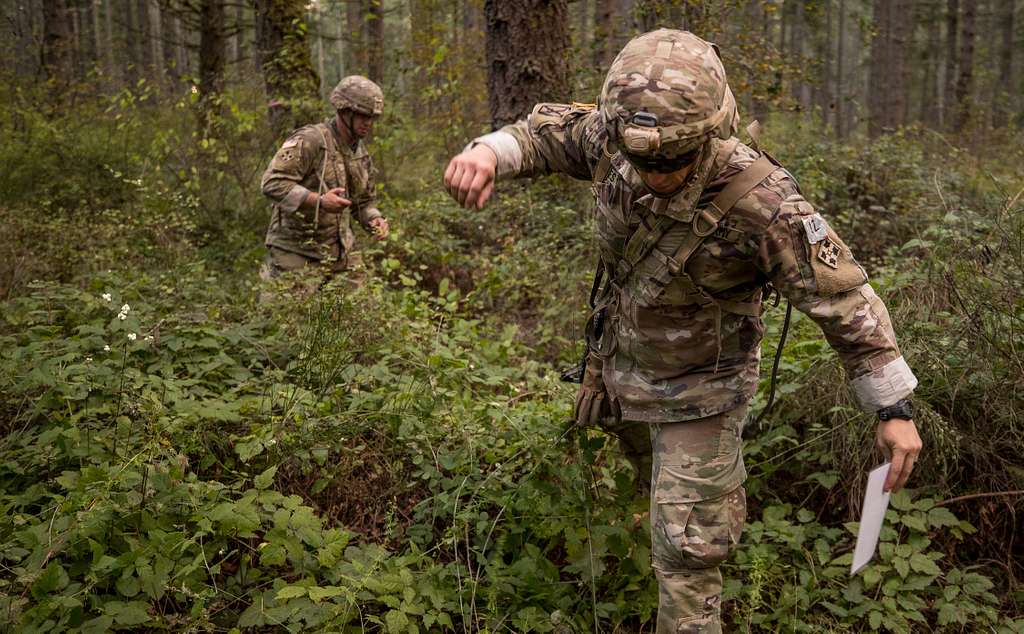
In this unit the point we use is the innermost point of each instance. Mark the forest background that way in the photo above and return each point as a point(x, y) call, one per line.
point(177, 456)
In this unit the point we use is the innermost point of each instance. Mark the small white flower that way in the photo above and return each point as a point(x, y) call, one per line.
point(106, 348)
point(221, 552)
point(125, 309)
point(122, 316)
point(132, 336)
point(149, 337)
point(272, 441)
point(106, 297)
point(88, 359)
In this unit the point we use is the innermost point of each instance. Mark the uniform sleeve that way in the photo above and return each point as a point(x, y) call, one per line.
point(294, 160)
point(366, 201)
point(562, 138)
point(809, 264)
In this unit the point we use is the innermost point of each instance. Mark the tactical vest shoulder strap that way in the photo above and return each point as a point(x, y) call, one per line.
point(706, 220)
point(604, 165)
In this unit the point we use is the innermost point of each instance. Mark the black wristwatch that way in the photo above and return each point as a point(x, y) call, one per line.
point(902, 408)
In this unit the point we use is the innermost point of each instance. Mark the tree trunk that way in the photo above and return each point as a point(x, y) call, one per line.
point(526, 51)
point(878, 102)
point(952, 27)
point(899, 75)
point(422, 43)
point(156, 29)
point(212, 48)
point(1004, 101)
point(931, 91)
point(375, 40)
point(57, 43)
point(288, 75)
point(143, 39)
point(840, 84)
point(965, 78)
point(355, 48)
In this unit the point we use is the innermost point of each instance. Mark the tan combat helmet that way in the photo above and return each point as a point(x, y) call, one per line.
point(664, 97)
point(359, 94)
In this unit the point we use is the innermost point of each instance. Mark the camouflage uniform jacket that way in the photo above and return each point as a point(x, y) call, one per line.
point(314, 158)
point(670, 355)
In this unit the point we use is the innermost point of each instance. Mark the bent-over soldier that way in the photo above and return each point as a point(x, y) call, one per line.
point(693, 228)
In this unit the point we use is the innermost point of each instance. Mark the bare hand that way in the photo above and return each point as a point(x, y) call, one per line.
point(334, 200)
point(380, 228)
point(899, 442)
point(470, 176)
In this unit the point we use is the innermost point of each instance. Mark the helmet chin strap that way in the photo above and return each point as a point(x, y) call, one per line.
point(347, 122)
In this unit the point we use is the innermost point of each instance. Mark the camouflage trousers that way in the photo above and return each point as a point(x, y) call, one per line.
point(300, 276)
point(697, 511)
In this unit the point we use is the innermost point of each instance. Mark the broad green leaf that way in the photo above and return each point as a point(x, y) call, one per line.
point(265, 479)
point(923, 564)
point(318, 594)
point(291, 592)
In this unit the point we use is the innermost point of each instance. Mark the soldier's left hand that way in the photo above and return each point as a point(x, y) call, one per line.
point(380, 227)
point(900, 443)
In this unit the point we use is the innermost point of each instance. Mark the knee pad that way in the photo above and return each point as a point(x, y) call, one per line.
point(696, 535)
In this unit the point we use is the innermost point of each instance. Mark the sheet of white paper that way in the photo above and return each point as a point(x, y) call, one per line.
point(876, 501)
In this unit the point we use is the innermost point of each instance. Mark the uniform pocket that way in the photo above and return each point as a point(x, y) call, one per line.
point(697, 534)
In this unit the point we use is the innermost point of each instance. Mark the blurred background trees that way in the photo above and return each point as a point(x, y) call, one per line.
point(857, 65)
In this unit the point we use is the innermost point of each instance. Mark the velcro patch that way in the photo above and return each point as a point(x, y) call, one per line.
point(816, 228)
point(292, 142)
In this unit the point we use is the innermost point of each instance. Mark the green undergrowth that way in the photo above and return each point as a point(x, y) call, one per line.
point(178, 456)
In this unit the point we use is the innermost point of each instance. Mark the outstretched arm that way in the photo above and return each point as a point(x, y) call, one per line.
point(563, 138)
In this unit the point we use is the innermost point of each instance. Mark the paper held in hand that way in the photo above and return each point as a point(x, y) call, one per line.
point(876, 501)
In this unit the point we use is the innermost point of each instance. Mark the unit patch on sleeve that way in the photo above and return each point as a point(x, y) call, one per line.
point(829, 252)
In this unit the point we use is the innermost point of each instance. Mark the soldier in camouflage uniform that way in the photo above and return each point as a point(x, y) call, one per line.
point(693, 227)
point(320, 175)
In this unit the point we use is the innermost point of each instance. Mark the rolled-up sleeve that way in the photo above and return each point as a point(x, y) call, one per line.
point(560, 138)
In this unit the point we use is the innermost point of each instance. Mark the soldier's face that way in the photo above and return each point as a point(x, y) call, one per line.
point(362, 124)
point(666, 182)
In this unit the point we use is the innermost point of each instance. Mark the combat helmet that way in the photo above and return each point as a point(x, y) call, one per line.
point(359, 94)
point(664, 97)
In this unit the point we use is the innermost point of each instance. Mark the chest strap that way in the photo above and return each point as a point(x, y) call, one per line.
point(706, 220)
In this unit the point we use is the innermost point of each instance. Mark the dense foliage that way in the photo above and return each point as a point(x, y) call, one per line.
point(179, 456)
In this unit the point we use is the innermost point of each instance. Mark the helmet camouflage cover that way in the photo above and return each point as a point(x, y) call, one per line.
point(359, 94)
point(665, 95)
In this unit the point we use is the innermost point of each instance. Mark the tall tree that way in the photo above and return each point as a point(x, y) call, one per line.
point(57, 43)
point(877, 96)
point(1004, 101)
point(291, 84)
point(375, 40)
point(212, 47)
point(356, 58)
point(526, 51)
point(950, 67)
point(888, 96)
point(931, 87)
point(965, 78)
